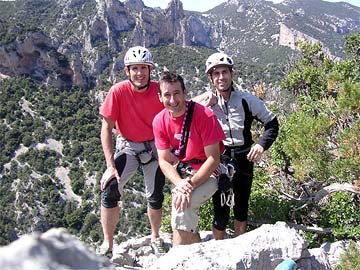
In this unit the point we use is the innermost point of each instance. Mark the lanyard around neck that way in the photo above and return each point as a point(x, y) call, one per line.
point(185, 130)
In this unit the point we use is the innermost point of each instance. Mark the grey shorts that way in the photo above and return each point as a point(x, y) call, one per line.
point(128, 157)
point(188, 219)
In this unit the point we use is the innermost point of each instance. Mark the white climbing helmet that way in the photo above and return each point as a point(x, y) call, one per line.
point(218, 59)
point(138, 55)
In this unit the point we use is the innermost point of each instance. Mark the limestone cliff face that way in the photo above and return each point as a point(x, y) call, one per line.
point(290, 38)
point(265, 248)
point(83, 41)
point(88, 36)
point(35, 55)
point(154, 27)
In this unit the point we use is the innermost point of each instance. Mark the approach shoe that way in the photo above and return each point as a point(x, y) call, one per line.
point(158, 246)
point(105, 250)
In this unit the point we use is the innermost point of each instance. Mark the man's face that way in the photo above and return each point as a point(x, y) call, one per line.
point(138, 74)
point(221, 77)
point(173, 97)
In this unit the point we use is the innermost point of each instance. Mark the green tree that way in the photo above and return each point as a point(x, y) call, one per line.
point(318, 144)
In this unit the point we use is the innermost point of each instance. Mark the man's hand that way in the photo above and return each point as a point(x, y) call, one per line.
point(182, 194)
point(181, 200)
point(255, 153)
point(109, 174)
point(207, 99)
point(184, 186)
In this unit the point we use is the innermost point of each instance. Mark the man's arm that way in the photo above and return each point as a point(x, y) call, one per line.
point(183, 189)
point(270, 134)
point(182, 199)
point(212, 152)
point(165, 163)
point(265, 141)
point(207, 99)
point(107, 145)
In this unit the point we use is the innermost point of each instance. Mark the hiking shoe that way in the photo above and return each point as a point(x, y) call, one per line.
point(158, 246)
point(105, 250)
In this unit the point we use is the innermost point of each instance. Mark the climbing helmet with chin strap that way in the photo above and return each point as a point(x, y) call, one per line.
point(138, 55)
point(217, 59)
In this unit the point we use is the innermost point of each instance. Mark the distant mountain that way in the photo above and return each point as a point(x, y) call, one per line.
point(257, 30)
point(82, 42)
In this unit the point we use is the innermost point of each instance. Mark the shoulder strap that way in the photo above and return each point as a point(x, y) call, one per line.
point(187, 127)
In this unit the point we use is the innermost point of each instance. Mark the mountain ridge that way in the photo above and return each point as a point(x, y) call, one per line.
point(77, 42)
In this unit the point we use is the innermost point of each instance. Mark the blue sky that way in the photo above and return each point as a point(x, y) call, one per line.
point(204, 5)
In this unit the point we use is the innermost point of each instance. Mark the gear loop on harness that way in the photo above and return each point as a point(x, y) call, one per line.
point(224, 173)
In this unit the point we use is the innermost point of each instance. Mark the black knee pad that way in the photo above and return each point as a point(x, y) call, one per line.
point(110, 195)
point(220, 226)
point(156, 200)
point(155, 205)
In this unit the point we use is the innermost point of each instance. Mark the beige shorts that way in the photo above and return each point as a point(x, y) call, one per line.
point(188, 219)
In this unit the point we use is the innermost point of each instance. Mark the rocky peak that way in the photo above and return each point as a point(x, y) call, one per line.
point(135, 5)
point(90, 34)
point(174, 10)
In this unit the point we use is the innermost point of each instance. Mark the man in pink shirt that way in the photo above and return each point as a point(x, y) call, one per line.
point(130, 107)
point(197, 150)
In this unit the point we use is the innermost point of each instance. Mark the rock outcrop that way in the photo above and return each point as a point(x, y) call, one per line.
point(35, 55)
point(83, 41)
point(55, 249)
point(77, 51)
point(291, 37)
point(260, 249)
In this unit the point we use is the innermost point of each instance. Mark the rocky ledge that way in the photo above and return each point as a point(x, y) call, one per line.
point(260, 249)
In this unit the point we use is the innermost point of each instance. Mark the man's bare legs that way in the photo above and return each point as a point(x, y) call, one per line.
point(109, 219)
point(218, 235)
point(239, 227)
point(185, 238)
point(155, 222)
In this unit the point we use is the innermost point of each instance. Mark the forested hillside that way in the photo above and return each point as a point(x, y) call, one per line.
point(51, 159)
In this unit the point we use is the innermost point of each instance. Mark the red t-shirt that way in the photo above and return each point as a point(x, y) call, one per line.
point(132, 111)
point(204, 130)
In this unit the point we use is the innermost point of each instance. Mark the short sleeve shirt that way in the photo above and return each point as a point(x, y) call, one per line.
point(132, 111)
point(204, 130)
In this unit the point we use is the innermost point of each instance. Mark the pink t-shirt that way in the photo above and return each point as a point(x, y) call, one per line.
point(132, 111)
point(204, 130)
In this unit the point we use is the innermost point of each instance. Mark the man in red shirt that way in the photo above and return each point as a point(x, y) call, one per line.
point(130, 107)
point(198, 150)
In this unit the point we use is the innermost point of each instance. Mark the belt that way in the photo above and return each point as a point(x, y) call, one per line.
point(236, 150)
point(194, 161)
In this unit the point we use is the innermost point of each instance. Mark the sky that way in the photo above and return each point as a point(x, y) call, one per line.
point(205, 5)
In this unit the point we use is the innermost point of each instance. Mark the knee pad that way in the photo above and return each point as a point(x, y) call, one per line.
point(155, 204)
point(110, 196)
point(220, 224)
point(156, 199)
